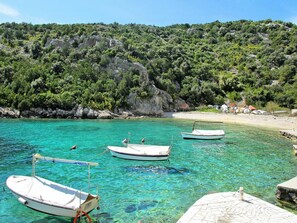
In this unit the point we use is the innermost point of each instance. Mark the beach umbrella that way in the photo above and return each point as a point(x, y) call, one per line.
point(252, 107)
point(232, 105)
point(184, 106)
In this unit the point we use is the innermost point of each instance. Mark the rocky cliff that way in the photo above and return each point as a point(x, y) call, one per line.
point(157, 101)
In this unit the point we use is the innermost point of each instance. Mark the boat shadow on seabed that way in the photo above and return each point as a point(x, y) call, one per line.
point(156, 170)
point(51, 219)
point(103, 217)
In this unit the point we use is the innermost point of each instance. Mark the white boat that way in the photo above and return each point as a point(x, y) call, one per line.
point(50, 197)
point(140, 152)
point(203, 134)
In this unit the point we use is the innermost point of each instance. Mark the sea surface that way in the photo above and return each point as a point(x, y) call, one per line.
point(146, 191)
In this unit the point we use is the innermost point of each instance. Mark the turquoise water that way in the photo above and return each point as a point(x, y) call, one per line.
point(150, 191)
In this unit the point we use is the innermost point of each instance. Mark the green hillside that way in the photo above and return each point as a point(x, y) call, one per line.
point(97, 65)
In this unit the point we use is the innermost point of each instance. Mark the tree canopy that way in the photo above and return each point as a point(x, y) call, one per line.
point(95, 65)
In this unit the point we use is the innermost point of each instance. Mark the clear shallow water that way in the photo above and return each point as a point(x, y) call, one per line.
point(150, 191)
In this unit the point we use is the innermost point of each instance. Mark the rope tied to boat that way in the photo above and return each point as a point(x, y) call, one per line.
point(3, 186)
point(106, 150)
point(82, 213)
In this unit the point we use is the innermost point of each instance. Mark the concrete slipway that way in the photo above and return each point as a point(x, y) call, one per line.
point(235, 207)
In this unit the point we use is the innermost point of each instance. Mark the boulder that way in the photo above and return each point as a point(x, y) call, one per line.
point(105, 115)
point(79, 112)
point(159, 102)
point(9, 113)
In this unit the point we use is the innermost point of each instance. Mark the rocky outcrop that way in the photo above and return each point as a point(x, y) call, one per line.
point(78, 112)
point(79, 42)
point(159, 102)
point(154, 106)
point(9, 113)
point(47, 113)
point(117, 67)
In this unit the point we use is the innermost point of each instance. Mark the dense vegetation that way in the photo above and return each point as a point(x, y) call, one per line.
point(60, 66)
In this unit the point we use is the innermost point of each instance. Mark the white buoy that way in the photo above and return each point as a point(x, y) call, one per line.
point(241, 193)
point(22, 201)
point(143, 140)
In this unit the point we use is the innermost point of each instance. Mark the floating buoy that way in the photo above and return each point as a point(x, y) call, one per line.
point(73, 147)
point(143, 140)
point(22, 201)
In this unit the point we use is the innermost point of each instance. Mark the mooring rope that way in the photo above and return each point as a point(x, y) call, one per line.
point(106, 150)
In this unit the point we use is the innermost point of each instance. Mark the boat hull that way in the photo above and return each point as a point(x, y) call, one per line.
point(202, 135)
point(47, 209)
point(140, 152)
point(138, 157)
point(34, 193)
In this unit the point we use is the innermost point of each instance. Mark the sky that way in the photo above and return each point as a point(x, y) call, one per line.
point(147, 12)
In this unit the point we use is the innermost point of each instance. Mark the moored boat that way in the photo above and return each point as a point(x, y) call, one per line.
point(203, 134)
point(140, 152)
point(50, 197)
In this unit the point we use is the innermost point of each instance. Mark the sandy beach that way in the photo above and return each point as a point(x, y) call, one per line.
point(260, 121)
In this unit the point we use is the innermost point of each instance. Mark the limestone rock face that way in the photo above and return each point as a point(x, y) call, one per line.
point(9, 113)
point(92, 114)
point(77, 112)
point(156, 101)
point(153, 102)
point(159, 102)
point(105, 115)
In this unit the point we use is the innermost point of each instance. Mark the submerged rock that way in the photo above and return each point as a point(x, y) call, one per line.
point(156, 169)
point(143, 205)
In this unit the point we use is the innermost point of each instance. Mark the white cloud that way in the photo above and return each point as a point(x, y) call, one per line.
point(8, 11)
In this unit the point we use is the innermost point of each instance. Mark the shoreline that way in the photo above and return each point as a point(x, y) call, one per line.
point(260, 121)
